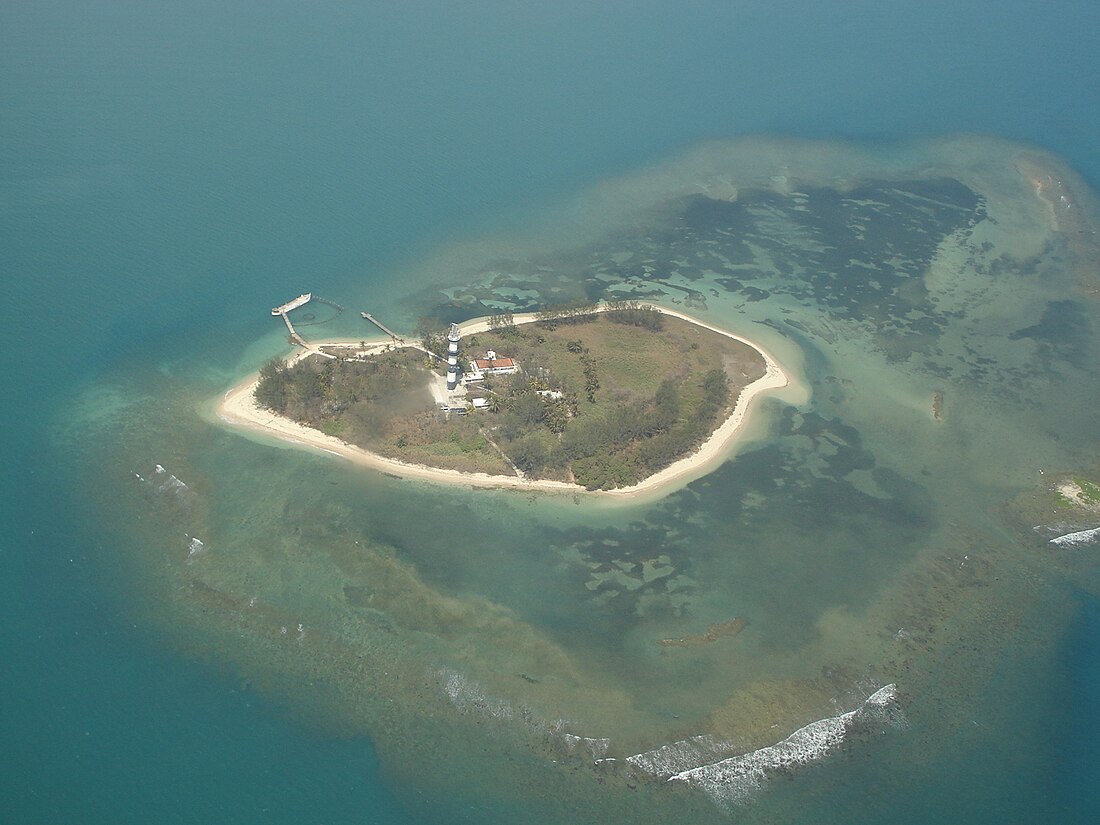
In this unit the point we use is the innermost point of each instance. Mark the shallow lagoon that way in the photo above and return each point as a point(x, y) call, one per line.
point(489, 640)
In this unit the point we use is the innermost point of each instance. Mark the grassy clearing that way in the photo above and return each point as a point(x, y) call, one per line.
point(631, 361)
point(633, 399)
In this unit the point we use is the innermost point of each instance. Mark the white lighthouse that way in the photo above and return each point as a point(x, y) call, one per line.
point(452, 357)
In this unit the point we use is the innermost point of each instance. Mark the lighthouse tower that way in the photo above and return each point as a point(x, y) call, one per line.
point(452, 357)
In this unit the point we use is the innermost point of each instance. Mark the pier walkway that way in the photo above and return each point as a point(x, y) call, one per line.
point(284, 313)
point(303, 299)
point(397, 339)
point(383, 327)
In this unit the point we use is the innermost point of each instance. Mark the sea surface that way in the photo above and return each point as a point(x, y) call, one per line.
point(873, 191)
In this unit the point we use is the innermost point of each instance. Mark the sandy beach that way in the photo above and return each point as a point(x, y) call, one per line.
point(238, 408)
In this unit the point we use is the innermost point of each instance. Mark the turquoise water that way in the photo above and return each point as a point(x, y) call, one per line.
point(169, 172)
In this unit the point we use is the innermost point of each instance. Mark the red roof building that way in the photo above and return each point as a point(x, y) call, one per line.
point(491, 365)
point(494, 364)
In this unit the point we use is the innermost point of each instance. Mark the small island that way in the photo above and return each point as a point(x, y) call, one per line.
point(604, 397)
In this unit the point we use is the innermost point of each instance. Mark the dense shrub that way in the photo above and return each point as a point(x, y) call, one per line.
point(635, 314)
point(529, 454)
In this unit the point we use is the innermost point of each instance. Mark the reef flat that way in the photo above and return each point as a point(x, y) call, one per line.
point(882, 557)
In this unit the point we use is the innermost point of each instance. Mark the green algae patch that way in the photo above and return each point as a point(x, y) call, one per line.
point(1077, 493)
point(1090, 492)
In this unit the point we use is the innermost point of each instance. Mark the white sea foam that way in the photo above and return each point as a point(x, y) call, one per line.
point(1077, 539)
point(596, 747)
point(735, 780)
point(469, 697)
point(679, 756)
point(173, 484)
point(166, 482)
point(466, 695)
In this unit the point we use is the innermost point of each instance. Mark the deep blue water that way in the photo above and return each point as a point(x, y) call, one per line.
point(1079, 725)
point(166, 168)
point(102, 726)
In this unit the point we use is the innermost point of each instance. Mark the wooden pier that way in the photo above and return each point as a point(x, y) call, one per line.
point(294, 336)
point(284, 313)
point(397, 338)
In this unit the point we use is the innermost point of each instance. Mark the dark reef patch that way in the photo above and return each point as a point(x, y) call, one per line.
point(1062, 332)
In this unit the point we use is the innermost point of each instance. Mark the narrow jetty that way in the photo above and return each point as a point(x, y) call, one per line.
point(382, 327)
point(294, 336)
point(284, 313)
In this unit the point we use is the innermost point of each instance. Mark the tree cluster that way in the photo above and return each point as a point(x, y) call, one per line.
point(570, 312)
point(524, 403)
point(635, 442)
point(316, 391)
point(284, 388)
point(591, 378)
point(629, 443)
point(502, 321)
point(635, 314)
point(432, 334)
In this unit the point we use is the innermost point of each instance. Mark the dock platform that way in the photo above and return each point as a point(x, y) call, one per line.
point(301, 300)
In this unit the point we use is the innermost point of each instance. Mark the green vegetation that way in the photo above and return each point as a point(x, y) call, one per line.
point(607, 400)
point(432, 334)
point(1062, 502)
point(383, 405)
point(1090, 492)
point(635, 314)
point(1078, 492)
point(501, 320)
point(604, 400)
point(632, 313)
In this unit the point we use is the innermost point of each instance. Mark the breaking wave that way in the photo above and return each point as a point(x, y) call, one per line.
point(678, 756)
point(469, 697)
point(1077, 539)
point(168, 482)
point(466, 695)
point(596, 747)
point(700, 761)
point(194, 547)
point(164, 482)
point(735, 780)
